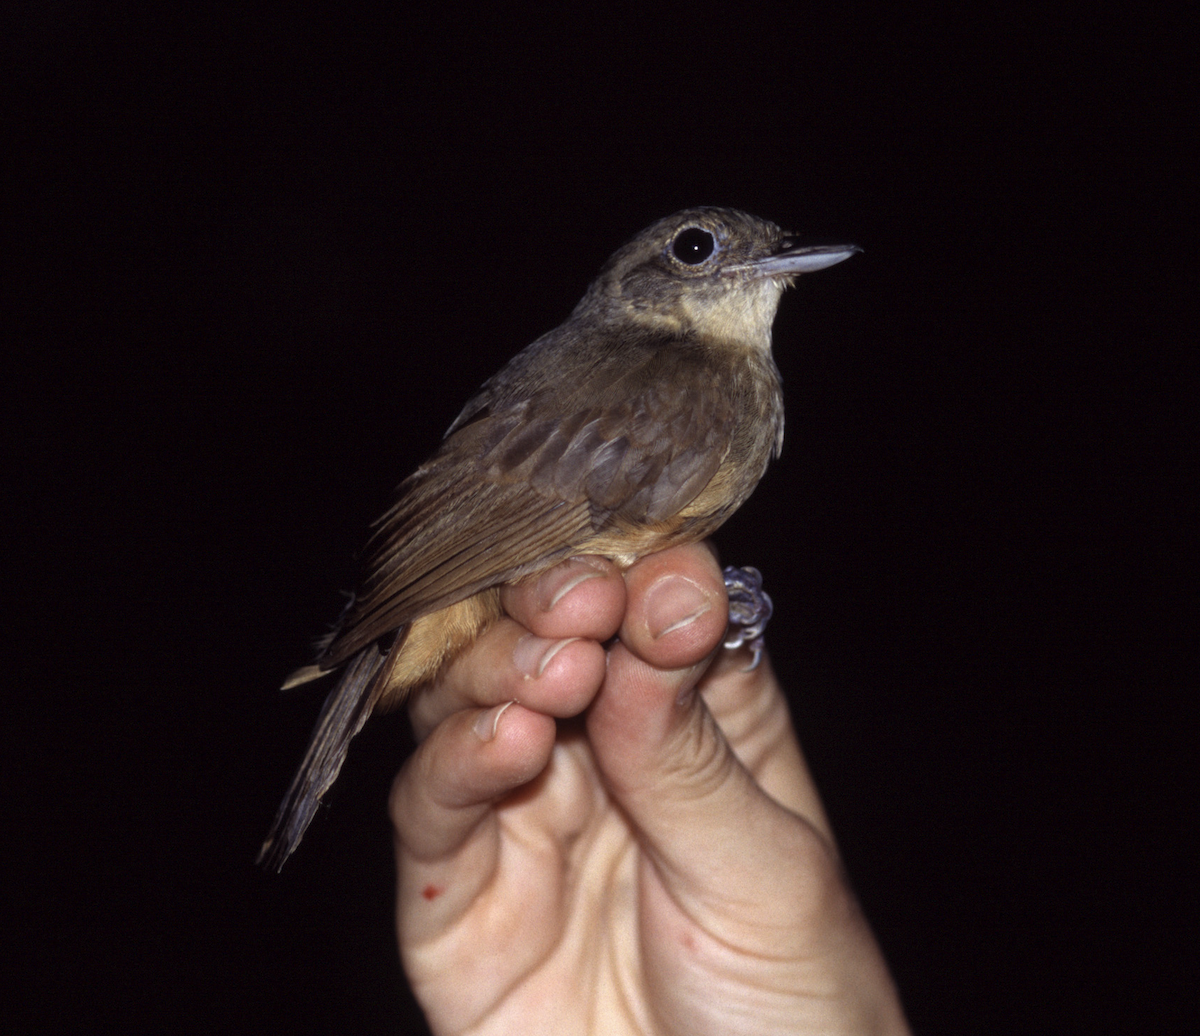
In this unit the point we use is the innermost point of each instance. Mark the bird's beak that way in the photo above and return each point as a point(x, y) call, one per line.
point(791, 259)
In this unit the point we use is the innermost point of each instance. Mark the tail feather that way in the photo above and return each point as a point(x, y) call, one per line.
point(342, 716)
point(303, 675)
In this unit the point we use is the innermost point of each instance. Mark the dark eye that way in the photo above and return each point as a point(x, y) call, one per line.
point(693, 246)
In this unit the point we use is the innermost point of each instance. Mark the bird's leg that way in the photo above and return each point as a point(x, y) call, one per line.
point(749, 610)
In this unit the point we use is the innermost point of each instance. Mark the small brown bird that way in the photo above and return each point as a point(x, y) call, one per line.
point(643, 421)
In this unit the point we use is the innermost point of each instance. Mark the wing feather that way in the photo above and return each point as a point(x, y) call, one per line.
point(524, 478)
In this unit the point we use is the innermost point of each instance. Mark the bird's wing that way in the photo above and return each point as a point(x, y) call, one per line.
point(522, 483)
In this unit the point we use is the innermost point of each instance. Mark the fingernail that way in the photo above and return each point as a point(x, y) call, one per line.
point(532, 654)
point(672, 603)
point(562, 579)
point(487, 723)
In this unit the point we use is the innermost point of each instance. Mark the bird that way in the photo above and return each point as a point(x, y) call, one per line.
point(643, 421)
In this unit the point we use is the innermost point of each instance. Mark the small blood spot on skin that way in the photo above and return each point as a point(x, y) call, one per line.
point(431, 892)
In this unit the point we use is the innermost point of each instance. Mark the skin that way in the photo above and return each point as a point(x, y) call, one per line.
point(623, 839)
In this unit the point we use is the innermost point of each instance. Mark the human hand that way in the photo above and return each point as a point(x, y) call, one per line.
point(623, 841)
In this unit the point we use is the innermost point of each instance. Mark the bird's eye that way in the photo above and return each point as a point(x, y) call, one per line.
point(693, 246)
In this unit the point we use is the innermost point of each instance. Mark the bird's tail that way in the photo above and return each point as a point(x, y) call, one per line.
point(342, 716)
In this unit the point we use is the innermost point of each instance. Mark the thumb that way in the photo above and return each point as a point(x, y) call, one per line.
point(725, 850)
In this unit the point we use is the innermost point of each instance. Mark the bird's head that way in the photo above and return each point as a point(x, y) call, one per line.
point(710, 272)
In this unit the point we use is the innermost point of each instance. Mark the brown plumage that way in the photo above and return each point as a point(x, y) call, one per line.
point(643, 421)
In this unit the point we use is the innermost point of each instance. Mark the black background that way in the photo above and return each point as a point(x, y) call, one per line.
point(263, 257)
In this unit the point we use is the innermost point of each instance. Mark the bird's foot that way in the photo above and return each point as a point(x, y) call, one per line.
point(749, 610)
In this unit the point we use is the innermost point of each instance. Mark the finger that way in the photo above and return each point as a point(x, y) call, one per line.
point(446, 829)
point(714, 836)
point(667, 590)
point(508, 663)
point(711, 831)
point(582, 597)
point(752, 713)
point(677, 609)
point(549, 658)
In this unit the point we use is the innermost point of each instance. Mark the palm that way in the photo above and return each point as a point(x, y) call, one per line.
point(550, 943)
point(560, 939)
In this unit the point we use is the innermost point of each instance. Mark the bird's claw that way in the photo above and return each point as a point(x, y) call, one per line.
point(749, 610)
